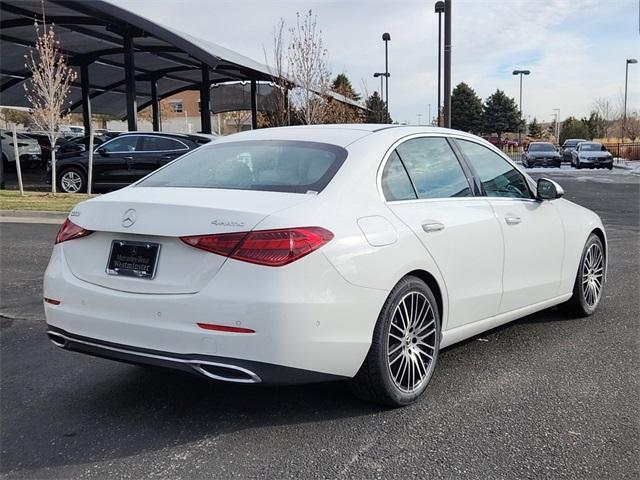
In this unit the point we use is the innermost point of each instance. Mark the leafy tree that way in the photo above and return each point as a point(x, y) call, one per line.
point(573, 128)
point(500, 114)
point(535, 130)
point(377, 110)
point(466, 109)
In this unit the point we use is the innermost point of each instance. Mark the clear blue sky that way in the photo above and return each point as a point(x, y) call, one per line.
point(576, 49)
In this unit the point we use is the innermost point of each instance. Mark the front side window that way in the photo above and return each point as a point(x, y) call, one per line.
point(498, 177)
point(433, 168)
point(161, 144)
point(396, 184)
point(267, 165)
point(126, 143)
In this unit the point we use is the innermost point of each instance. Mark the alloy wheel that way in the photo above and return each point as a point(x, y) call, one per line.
point(592, 274)
point(71, 182)
point(411, 343)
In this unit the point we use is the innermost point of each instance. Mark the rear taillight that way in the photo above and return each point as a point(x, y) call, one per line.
point(273, 248)
point(69, 231)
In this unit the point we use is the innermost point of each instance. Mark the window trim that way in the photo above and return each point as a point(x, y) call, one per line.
point(396, 143)
point(137, 135)
point(528, 181)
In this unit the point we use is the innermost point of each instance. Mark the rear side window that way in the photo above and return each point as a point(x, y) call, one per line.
point(433, 168)
point(161, 144)
point(498, 177)
point(267, 165)
point(126, 143)
point(395, 180)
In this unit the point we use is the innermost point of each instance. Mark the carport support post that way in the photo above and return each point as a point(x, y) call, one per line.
point(447, 63)
point(205, 100)
point(130, 83)
point(254, 106)
point(86, 101)
point(155, 110)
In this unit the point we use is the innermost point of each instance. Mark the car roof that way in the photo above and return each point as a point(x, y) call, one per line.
point(336, 134)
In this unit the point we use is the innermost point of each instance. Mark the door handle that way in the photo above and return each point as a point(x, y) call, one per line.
point(128, 158)
point(512, 219)
point(431, 226)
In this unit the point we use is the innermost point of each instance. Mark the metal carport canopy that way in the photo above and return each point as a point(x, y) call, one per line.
point(123, 61)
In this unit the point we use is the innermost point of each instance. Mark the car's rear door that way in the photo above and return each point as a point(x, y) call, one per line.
point(458, 229)
point(155, 151)
point(533, 231)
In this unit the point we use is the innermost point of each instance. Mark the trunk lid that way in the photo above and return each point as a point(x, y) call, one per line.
point(162, 215)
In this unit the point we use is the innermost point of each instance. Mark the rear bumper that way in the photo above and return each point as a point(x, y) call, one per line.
point(212, 367)
point(305, 316)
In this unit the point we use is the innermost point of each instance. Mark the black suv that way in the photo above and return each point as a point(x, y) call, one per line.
point(124, 159)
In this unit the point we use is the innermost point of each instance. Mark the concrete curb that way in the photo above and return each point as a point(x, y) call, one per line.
point(32, 216)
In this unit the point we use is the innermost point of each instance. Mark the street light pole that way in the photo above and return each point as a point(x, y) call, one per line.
point(429, 118)
point(521, 73)
point(626, 80)
point(381, 75)
point(557, 132)
point(419, 119)
point(386, 37)
point(439, 10)
point(447, 63)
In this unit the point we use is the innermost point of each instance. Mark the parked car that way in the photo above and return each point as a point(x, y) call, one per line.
point(314, 253)
point(28, 150)
point(542, 154)
point(591, 155)
point(45, 146)
point(77, 145)
point(123, 160)
point(569, 146)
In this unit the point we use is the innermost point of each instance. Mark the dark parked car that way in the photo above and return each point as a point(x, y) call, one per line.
point(73, 147)
point(591, 155)
point(543, 154)
point(569, 146)
point(125, 159)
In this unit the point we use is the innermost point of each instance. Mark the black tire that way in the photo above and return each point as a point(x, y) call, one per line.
point(375, 382)
point(77, 173)
point(578, 305)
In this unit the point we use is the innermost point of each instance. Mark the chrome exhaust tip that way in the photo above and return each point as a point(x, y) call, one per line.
point(57, 339)
point(225, 372)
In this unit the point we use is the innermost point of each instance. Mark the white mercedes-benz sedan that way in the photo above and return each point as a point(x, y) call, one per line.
point(302, 254)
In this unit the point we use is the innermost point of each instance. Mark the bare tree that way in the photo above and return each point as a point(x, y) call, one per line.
point(607, 112)
point(308, 68)
point(276, 113)
point(238, 117)
point(48, 89)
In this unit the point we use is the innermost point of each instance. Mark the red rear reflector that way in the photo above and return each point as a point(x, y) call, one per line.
point(69, 231)
point(273, 248)
point(225, 328)
point(51, 301)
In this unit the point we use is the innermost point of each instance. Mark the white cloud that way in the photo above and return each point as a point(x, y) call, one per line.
point(575, 49)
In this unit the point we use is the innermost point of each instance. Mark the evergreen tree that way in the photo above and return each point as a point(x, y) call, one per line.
point(535, 130)
point(377, 110)
point(466, 109)
point(573, 128)
point(342, 85)
point(500, 114)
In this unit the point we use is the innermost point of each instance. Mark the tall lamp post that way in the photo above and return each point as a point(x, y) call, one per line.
point(439, 10)
point(386, 37)
point(521, 73)
point(626, 80)
point(557, 132)
point(382, 75)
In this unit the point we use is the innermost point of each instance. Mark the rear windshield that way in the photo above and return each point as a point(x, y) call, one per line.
point(541, 147)
point(268, 165)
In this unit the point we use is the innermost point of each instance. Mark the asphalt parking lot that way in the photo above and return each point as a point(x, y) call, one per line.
point(544, 397)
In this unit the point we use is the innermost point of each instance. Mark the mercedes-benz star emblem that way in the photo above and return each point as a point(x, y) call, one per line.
point(129, 218)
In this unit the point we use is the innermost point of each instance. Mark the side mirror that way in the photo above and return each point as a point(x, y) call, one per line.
point(548, 190)
point(102, 151)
